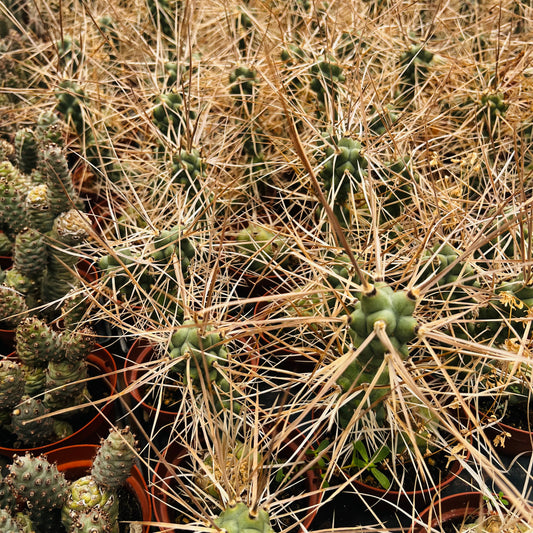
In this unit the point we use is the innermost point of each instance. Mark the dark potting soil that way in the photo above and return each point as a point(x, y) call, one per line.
point(98, 389)
point(409, 472)
point(517, 416)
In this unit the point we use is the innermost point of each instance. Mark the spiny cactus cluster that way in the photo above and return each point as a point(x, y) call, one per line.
point(39, 214)
point(34, 491)
point(50, 374)
point(390, 312)
point(92, 500)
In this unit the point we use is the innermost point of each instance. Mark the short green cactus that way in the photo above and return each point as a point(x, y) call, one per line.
point(26, 150)
point(241, 519)
point(262, 248)
point(71, 99)
point(93, 498)
point(415, 64)
point(393, 311)
point(326, 79)
point(31, 430)
point(187, 167)
point(13, 306)
point(69, 53)
point(342, 158)
point(170, 114)
point(11, 386)
point(243, 86)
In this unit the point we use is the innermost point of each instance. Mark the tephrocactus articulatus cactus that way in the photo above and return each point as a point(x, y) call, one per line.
point(97, 491)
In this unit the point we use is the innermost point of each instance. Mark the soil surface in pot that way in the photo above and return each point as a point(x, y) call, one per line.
point(98, 389)
point(517, 416)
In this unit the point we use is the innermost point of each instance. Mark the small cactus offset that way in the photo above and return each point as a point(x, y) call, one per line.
point(13, 306)
point(241, 519)
point(115, 459)
point(11, 385)
point(187, 167)
point(26, 150)
point(262, 248)
point(243, 85)
point(170, 116)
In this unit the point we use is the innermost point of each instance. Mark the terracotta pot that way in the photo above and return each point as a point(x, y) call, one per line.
point(454, 508)
point(76, 461)
point(162, 482)
point(142, 352)
point(100, 362)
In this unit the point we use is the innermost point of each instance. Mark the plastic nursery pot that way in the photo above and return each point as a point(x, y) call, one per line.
point(140, 353)
point(381, 498)
point(162, 481)
point(451, 510)
point(101, 363)
point(509, 440)
point(76, 461)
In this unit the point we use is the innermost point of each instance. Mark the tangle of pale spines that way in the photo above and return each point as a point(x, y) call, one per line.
point(74, 308)
point(26, 424)
point(54, 167)
point(26, 150)
point(29, 256)
point(115, 458)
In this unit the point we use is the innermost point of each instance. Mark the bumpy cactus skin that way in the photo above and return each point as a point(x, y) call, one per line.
point(7, 523)
point(36, 341)
point(11, 384)
point(239, 519)
point(115, 458)
point(30, 253)
point(86, 500)
point(38, 482)
point(29, 431)
point(187, 167)
point(12, 306)
point(262, 246)
point(26, 150)
point(394, 310)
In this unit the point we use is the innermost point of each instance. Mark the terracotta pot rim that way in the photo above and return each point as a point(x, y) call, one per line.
point(103, 414)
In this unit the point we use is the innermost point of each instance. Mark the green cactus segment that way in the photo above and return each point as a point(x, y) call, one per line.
point(243, 83)
point(115, 459)
point(66, 385)
point(36, 342)
point(27, 426)
point(61, 193)
point(380, 122)
point(11, 384)
point(37, 481)
point(342, 159)
point(40, 216)
point(169, 114)
point(87, 500)
point(187, 167)
point(93, 521)
point(69, 53)
point(13, 306)
point(7, 498)
point(25, 523)
point(261, 247)
point(30, 253)
point(13, 187)
point(50, 129)
point(70, 228)
point(34, 380)
point(77, 345)
point(74, 308)
point(21, 283)
point(70, 99)
point(8, 524)
point(203, 347)
point(326, 79)
point(172, 242)
point(26, 150)
point(394, 310)
point(415, 64)
point(6, 245)
point(240, 519)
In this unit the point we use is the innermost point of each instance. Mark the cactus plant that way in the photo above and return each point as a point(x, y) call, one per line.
point(240, 518)
point(93, 498)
